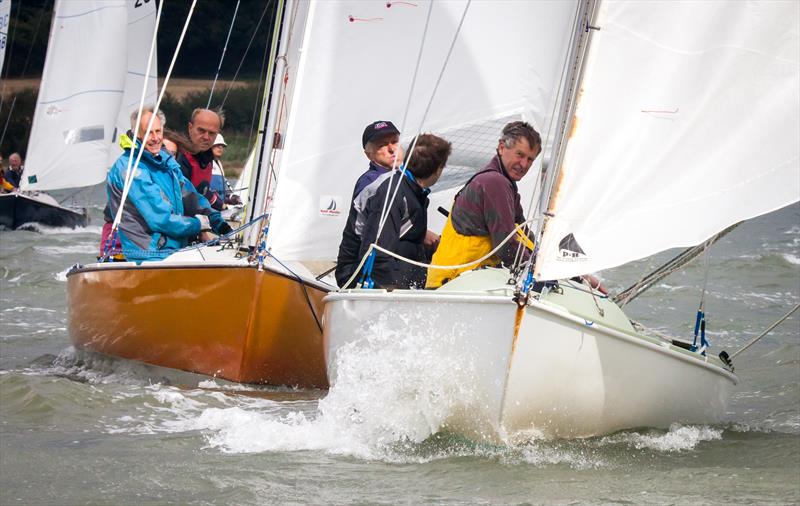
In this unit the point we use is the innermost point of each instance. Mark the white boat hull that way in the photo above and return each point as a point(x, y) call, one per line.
point(564, 373)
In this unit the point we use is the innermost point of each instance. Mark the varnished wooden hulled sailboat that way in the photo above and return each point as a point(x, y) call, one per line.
point(226, 319)
point(249, 312)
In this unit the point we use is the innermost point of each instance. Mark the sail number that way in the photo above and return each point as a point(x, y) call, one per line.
point(140, 3)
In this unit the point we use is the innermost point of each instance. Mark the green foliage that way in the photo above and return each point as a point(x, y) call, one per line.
point(27, 38)
point(19, 126)
point(202, 46)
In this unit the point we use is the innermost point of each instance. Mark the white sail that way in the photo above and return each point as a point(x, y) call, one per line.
point(140, 25)
point(357, 66)
point(80, 94)
point(5, 20)
point(688, 121)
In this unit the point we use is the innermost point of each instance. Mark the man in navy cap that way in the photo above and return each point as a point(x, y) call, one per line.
point(381, 143)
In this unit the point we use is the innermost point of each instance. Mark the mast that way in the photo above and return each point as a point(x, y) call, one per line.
point(566, 119)
point(263, 140)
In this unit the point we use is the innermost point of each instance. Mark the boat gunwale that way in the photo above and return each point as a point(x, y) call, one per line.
point(74, 210)
point(161, 265)
point(630, 337)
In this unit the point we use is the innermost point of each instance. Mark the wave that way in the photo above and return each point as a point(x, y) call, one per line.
point(47, 230)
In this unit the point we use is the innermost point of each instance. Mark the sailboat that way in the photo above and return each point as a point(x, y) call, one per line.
point(235, 310)
point(672, 122)
point(93, 73)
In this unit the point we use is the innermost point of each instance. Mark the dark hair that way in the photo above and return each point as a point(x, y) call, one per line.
point(430, 153)
point(183, 143)
point(517, 129)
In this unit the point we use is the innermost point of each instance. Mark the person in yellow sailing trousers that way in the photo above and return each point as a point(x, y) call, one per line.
point(488, 208)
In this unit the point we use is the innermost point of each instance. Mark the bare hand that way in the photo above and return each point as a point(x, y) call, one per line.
point(207, 236)
point(595, 283)
point(431, 240)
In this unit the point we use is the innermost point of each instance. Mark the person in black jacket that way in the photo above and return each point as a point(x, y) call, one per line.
point(407, 223)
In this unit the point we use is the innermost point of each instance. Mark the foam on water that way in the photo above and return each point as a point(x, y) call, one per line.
point(391, 402)
point(677, 438)
point(47, 230)
point(792, 259)
point(81, 247)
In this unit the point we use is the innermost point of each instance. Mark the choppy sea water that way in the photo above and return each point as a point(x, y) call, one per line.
point(78, 428)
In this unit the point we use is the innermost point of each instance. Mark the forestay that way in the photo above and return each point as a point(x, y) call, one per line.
point(81, 93)
point(688, 121)
point(357, 66)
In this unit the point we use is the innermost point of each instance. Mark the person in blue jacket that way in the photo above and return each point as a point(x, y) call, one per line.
point(162, 210)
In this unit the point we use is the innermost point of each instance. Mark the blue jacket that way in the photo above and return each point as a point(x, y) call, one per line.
point(158, 217)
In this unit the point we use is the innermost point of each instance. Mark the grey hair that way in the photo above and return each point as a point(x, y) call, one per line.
point(520, 129)
point(145, 110)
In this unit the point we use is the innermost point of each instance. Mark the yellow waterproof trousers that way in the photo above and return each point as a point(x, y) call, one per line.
point(457, 249)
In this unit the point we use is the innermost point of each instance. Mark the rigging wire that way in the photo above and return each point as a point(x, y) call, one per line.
point(241, 62)
point(385, 213)
point(626, 296)
point(222, 56)
point(129, 173)
point(753, 341)
point(131, 168)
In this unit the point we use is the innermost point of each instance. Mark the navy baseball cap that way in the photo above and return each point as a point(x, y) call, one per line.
point(378, 129)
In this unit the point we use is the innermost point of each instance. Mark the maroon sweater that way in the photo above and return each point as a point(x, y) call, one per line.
point(489, 205)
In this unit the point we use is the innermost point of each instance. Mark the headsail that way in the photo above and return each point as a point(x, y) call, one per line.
point(5, 20)
point(357, 66)
point(85, 76)
point(687, 123)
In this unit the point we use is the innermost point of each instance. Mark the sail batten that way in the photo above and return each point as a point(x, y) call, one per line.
point(687, 122)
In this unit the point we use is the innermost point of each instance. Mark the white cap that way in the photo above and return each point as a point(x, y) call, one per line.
point(219, 140)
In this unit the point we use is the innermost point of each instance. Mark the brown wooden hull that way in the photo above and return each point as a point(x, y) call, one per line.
point(231, 322)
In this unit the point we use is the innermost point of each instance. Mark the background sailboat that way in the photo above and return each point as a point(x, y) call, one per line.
point(94, 71)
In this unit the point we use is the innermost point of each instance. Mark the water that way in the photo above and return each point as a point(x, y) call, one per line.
point(78, 428)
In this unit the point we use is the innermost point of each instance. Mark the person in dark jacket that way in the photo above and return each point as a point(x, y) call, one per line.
point(14, 171)
point(197, 159)
point(406, 227)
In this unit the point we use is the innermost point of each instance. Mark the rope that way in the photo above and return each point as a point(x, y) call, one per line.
point(687, 255)
point(753, 341)
point(374, 246)
point(222, 56)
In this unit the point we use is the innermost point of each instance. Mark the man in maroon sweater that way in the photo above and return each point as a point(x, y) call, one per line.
point(197, 160)
point(488, 209)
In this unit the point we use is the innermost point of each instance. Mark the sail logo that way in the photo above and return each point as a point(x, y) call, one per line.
point(330, 205)
point(570, 251)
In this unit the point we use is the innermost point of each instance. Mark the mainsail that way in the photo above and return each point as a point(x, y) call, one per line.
point(687, 122)
point(85, 77)
point(358, 64)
